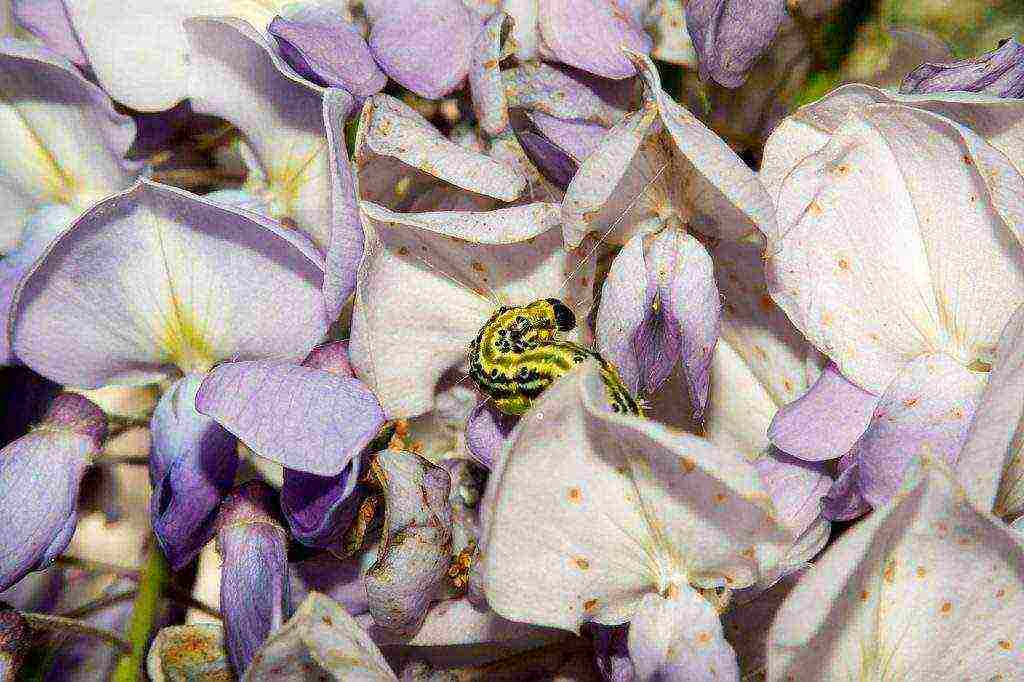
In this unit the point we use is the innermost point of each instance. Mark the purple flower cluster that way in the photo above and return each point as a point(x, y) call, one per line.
point(247, 246)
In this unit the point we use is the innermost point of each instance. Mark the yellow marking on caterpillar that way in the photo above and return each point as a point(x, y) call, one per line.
point(517, 355)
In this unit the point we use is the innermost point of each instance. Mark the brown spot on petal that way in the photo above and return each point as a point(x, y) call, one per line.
point(1001, 593)
point(478, 266)
point(766, 302)
point(490, 63)
point(946, 607)
point(687, 464)
point(575, 495)
point(910, 402)
point(921, 572)
point(814, 208)
point(864, 595)
point(1005, 644)
point(582, 563)
point(590, 605)
point(844, 264)
point(720, 498)
point(968, 160)
point(402, 251)
point(890, 572)
point(703, 637)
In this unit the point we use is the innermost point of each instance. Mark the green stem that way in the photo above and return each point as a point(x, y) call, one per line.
point(154, 579)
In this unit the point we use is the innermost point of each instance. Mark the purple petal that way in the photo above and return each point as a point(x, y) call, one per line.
point(328, 51)
point(48, 20)
point(425, 45)
point(157, 281)
point(486, 86)
point(345, 250)
point(577, 139)
point(191, 467)
point(555, 164)
point(844, 501)
point(254, 591)
point(680, 639)
point(590, 34)
point(796, 488)
point(303, 418)
point(730, 35)
point(927, 410)
point(486, 432)
point(826, 421)
point(999, 72)
point(415, 547)
point(341, 580)
point(660, 309)
point(40, 476)
point(319, 509)
point(330, 357)
point(567, 93)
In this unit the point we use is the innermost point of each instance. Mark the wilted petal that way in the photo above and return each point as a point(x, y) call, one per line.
point(325, 48)
point(611, 485)
point(415, 549)
point(63, 141)
point(156, 281)
point(678, 639)
point(425, 44)
point(320, 639)
point(188, 652)
point(485, 82)
point(235, 75)
point(423, 296)
point(660, 304)
point(999, 72)
point(254, 575)
point(40, 475)
point(991, 465)
point(486, 432)
point(826, 421)
point(48, 21)
point(391, 129)
point(927, 586)
point(870, 263)
point(303, 418)
point(590, 35)
point(730, 35)
point(191, 467)
point(926, 410)
point(319, 509)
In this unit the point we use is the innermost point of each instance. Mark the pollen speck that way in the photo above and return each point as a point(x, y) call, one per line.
point(590, 605)
point(582, 563)
point(946, 607)
point(575, 495)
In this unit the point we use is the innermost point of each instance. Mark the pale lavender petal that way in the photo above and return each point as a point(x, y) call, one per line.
point(485, 82)
point(63, 140)
point(192, 465)
point(48, 20)
point(425, 45)
point(826, 421)
point(40, 231)
point(999, 72)
point(679, 638)
point(345, 249)
point(590, 35)
point(927, 410)
point(796, 488)
point(319, 509)
point(329, 51)
point(486, 433)
point(157, 281)
point(844, 500)
point(254, 593)
point(567, 93)
point(40, 476)
point(415, 546)
point(577, 138)
point(730, 35)
point(990, 465)
point(303, 418)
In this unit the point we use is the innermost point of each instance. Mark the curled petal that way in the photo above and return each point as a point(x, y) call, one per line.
point(303, 418)
point(327, 49)
point(485, 82)
point(826, 421)
point(425, 45)
point(49, 21)
point(319, 509)
point(999, 72)
point(730, 35)
point(590, 35)
point(415, 549)
point(156, 281)
point(680, 638)
point(191, 467)
point(320, 639)
point(845, 501)
point(486, 433)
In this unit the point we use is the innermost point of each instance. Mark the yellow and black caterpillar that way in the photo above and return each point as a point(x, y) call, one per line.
point(517, 355)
